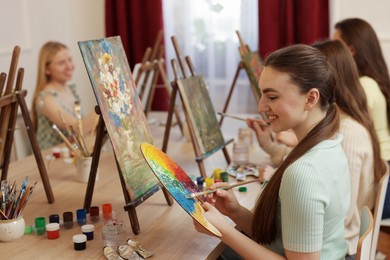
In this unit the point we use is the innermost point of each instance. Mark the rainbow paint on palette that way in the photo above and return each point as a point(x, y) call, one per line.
point(177, 182)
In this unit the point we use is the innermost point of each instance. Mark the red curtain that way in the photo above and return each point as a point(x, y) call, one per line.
point(284, 22)
point(137, 22)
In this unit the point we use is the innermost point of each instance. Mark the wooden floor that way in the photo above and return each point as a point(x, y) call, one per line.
point(384, 242)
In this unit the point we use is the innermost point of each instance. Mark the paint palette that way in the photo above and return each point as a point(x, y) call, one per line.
point(177, 182)
point(243, 170)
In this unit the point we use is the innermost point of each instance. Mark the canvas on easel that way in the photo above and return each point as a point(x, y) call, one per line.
point(205, 133)
point(123, 116)
point(252, 64)
point(10, 100)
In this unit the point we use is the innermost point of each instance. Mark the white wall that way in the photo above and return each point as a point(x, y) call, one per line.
point(30, 23)
point(375, 12)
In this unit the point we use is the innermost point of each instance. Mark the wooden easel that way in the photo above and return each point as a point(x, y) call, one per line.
point(153, 66)
point(244, 50)
point(199, 157)
point(130, 206)
point(9, 103)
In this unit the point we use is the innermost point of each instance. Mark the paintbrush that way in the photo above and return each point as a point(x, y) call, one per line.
point(237, 117)
point(77, 111)
point(70, 146)
point(203, 193)
point(27, 196)
point(64, 122)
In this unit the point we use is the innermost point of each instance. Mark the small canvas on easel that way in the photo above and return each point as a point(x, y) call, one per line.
point(122, 111)
point(196, 98)
point(254, 68)
point(177, 182)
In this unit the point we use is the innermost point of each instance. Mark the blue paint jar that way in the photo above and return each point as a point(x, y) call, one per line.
point(88, 231)
point(199, 182)
point(54, 218)
point(81, 216)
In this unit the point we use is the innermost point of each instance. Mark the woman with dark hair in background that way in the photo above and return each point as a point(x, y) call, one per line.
point(364, 45)
point(360, 142)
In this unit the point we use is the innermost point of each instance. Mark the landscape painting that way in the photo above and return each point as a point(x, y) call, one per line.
point(177, 182)
point(254, 67)
point(121, 108)
point(203, 118)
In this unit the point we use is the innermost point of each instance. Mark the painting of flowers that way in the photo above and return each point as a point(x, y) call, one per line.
point(121, 108)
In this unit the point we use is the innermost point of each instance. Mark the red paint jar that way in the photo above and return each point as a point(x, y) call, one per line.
point(53, 230)
point(94, 213)
point(56, 152)
point(107, 211)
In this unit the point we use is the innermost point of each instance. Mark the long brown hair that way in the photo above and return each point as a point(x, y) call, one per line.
point(368, 56)
point(46, 54)
point(350, 96)
point(307, 68)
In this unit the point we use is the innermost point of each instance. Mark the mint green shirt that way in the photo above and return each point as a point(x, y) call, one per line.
point(313, 202)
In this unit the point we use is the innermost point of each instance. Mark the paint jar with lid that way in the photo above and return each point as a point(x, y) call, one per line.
point(217, 174)
point(81, 216)
point(107, 211)
point(94, 213)
point(40, 223)
point(79, 242)
point(68, 219)
point(200, 182)
point(53, 230)
point(209, 182)
point(88, 231)
point(224, 177)
point(54, 218)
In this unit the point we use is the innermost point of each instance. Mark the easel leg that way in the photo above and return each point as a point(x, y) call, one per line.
point(35, 148)
point(131, 210)
point(168, 124)
point(9, 140)
point(95, 163)
point(226, 154)
point(239, 67)
point(166, 84)
point(133, 220)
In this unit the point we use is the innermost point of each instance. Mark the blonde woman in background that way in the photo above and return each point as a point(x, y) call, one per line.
point(54, 98)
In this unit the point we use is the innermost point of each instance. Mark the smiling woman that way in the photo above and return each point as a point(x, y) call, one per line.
point(301, 210)
point(53, 100)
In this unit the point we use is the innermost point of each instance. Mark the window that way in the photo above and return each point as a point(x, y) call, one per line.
point(206, 31)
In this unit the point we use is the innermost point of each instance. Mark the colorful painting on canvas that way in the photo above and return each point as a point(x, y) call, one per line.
point(177, 182)
point(254, 67)
point(197, 101)
point(122, 111)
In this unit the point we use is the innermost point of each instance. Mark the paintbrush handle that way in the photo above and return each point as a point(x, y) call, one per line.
point(70, 146)
point(238, 118)
point(231, 116)
point(202, 193)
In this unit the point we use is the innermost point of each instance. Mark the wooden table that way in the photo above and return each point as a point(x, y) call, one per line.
point(166, 230)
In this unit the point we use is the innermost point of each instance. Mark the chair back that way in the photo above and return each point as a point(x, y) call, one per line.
point(365, 235)
point(379, 202)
